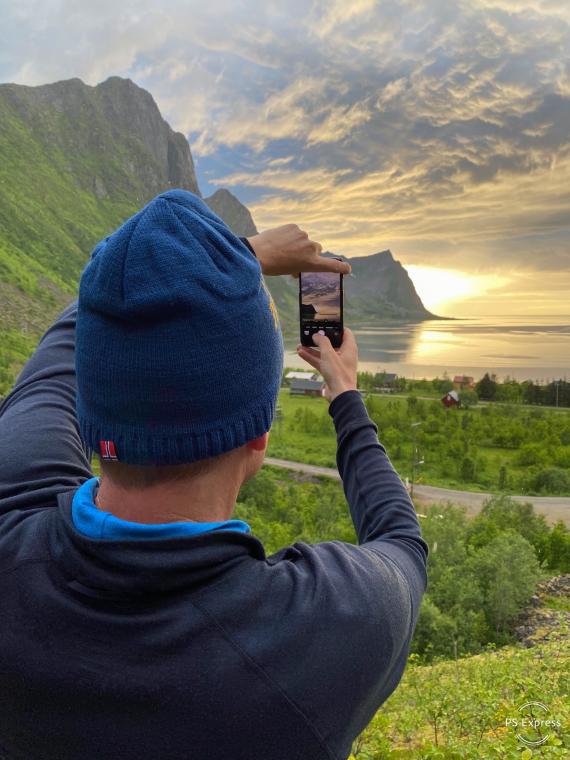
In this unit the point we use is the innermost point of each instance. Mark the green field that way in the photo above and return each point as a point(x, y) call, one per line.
point(493, 447)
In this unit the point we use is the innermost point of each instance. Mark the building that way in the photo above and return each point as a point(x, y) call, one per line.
point(463, 382)
point(385, 381)
point(451, 399)
point(294, 375)
point(306, 387)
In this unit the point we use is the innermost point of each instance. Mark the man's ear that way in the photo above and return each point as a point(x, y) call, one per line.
point(258, 444)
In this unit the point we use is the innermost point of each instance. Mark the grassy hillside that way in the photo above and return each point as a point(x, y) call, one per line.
point(457, 709)
point(48, 226)
point(75, 162)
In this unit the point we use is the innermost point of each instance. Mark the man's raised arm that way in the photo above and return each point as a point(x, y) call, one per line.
point(41, 452)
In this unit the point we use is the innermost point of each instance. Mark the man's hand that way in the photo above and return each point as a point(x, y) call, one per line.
point(337, 366)
point(288, 250)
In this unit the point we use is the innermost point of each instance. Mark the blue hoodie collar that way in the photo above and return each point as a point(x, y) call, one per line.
point(95, 523)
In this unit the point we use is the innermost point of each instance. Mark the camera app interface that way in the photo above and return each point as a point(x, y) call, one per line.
point(320, 304)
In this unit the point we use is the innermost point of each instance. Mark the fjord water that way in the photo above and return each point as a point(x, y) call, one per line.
point(534, 348)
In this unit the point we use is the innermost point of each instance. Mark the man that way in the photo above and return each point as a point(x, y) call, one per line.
point(139, 619)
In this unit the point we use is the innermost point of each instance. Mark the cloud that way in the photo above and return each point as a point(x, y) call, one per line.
point(439, 129)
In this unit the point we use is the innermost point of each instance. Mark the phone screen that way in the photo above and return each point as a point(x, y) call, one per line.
point(320, 305)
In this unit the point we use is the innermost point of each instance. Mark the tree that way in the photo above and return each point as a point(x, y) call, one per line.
point(500, 514)
point(467, 469)
point(486, 388)
point(551, 480)
point(435, 632)
point(559, 548)
point(531, 453)
point(502, 477)
point(509, 391)
point(366, 381)
point(468, 398)
point(508, 570)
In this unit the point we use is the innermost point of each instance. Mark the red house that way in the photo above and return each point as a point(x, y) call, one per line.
point(451, 399)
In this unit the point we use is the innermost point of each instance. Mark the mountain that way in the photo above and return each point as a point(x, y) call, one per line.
point(75, 162)
point(382, 285)
point(235, 214)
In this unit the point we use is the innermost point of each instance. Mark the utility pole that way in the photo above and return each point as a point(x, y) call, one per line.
point(557, 387)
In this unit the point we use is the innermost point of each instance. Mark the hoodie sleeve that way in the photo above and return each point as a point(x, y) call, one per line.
point(381, 509)
point(41, 452)
point(353, 608)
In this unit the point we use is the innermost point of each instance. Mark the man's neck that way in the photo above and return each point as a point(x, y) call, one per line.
point(199, 501)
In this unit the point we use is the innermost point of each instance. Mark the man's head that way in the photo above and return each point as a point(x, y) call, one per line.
point(242, 463)
point(179, 353)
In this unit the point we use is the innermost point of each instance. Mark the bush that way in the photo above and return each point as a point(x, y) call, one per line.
point(558, 548)
point(531, 453)
point(551, 480)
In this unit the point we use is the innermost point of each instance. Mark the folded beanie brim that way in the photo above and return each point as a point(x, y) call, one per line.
point(164, 446)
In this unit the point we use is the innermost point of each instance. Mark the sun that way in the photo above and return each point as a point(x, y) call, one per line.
point(439, 287)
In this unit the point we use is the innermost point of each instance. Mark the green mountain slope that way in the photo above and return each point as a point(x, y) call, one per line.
point(76, 161)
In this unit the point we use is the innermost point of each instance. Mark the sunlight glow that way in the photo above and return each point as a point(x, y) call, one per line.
point(440, 287)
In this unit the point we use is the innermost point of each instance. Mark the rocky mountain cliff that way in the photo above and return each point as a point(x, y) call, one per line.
point(75, 162)
point(380, 279)
point(113, 136)
point(233, 212)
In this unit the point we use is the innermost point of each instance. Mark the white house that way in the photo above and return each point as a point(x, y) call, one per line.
point(293, 375)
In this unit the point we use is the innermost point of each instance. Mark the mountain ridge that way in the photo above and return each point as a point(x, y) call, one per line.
point(76, 161)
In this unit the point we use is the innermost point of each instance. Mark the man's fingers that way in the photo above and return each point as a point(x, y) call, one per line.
point(348, 344)
point(324, 264)
point(322, 342)
point(310, 357)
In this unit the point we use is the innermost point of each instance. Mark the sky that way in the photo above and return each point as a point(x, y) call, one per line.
point(439, 129)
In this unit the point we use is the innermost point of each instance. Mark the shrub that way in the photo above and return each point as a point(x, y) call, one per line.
point(551, 480)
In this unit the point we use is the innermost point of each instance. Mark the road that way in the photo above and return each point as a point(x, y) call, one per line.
point(553, 508)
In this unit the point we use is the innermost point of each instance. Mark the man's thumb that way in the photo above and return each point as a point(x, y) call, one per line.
point(322, 341)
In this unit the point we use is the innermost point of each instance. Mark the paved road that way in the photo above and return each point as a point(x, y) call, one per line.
point(554, 508)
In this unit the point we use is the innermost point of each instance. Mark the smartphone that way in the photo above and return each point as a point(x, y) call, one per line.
point(321, 306)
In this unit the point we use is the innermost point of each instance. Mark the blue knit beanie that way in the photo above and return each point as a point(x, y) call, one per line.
point(179, 350)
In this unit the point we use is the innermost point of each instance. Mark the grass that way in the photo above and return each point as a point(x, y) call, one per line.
point(458, 709)
point(561, 603)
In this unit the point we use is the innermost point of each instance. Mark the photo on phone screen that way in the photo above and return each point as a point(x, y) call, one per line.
point(321, 306)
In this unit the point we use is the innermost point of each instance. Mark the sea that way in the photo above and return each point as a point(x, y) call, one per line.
point(524, 348)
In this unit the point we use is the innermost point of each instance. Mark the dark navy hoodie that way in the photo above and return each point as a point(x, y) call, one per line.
point(197, 647)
